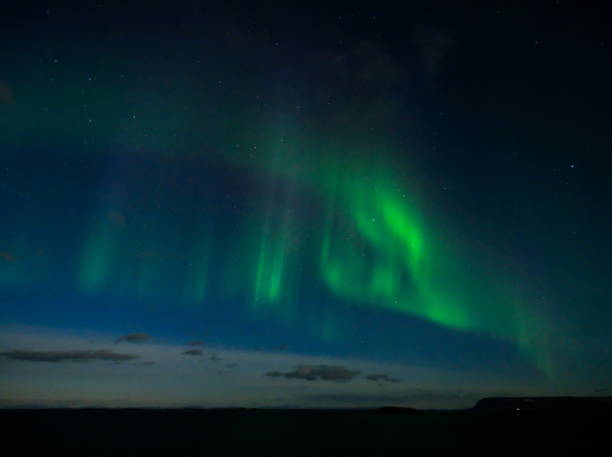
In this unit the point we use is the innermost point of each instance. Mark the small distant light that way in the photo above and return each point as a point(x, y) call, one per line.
point(518, 409)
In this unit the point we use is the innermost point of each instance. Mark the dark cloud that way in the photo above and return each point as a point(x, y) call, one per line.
point(75, 356)
point(281, 347)
point(381, 377)
point(230, 365)
point(273, 374)
point(195, 343)
point(193, 352)
point(314, 372)
point(139, 337)
point(214, 357)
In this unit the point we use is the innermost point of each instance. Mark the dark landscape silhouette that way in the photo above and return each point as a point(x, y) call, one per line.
point(500, 426)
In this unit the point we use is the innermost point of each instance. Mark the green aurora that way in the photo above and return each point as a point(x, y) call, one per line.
point(367, 241)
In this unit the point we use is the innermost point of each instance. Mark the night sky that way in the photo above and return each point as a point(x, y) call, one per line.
point(225, 204)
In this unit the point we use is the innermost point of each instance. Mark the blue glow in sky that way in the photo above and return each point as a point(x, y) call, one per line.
point(344, 211)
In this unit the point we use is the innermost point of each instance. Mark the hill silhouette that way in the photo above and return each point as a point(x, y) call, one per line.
point(492, 427)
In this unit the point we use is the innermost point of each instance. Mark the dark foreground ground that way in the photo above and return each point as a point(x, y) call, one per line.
point(492, 428)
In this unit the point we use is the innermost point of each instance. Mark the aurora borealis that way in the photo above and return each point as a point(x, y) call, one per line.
point(366, 192)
